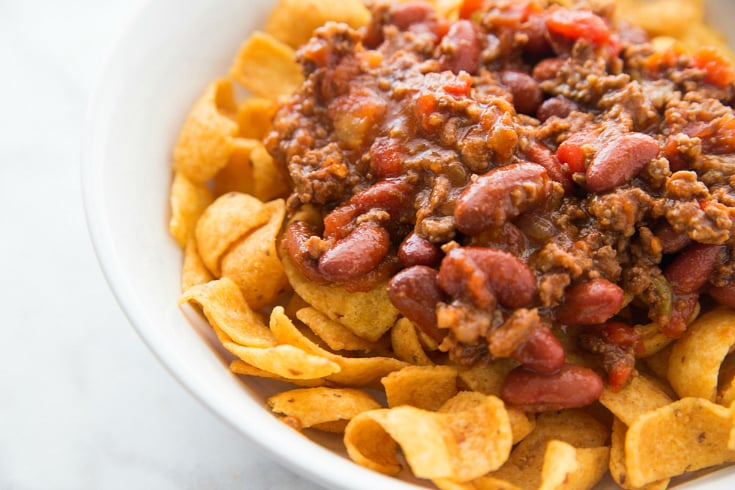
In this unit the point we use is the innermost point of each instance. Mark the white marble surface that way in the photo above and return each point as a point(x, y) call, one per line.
point(83, 403)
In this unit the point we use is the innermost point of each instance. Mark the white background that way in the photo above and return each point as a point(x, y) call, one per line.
point(83, 403)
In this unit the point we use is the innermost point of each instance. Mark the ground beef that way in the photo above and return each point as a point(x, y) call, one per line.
point(413, 124)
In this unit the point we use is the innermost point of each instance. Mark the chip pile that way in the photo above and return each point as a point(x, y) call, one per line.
point(361, 370)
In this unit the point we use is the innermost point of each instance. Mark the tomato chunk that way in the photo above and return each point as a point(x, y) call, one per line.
point(719, 71)
point(576, 24)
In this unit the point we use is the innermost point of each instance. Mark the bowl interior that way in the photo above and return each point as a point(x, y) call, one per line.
point(161, 65)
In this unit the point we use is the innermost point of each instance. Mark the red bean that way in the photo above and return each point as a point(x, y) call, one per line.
point(692, 268)
point(337, 222)
point(500, 195)
point(571, 386)
point(619, 160)
point(547, 69)
point(295, 245)
point(414, 292)
point(538, 153)
point(558, 106)
point(461, 48)
point(687, 275)
point(391, 195)
point(479, 272)
point(386, 157)
point(356, 254)
point(417, 250)
point(671, 240)
point(414, 12)
point(725, 295)
point(590, 303)
point(535, 28)
point(541, 352)
point(461, 278)
point(527, 95)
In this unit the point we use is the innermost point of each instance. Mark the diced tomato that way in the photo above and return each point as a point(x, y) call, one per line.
point(621, 335)
point(672, 154)
point(571, 153)
point(719, 71)
point(660, 61)
point(469, 7)
point(618, 375)
point(459, 85)
point(425, 107)
point(576, 24)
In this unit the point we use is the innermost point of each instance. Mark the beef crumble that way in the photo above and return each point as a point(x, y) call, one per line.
point(556, 138)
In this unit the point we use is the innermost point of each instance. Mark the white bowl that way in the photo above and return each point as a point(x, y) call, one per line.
point(161, 65)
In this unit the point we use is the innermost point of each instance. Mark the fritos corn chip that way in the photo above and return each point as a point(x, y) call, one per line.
point(248, 164)
point(683, 436)
point(694, 365)
point(293, 21)
point(252, 262)
point(336, 336)
point(266, 67)
point(206, 140)
point(225, 221)
point(367, 314)
point(315, 407)
point(188, 202)
point(456, 445)
point(225, 308)
point(427, 387)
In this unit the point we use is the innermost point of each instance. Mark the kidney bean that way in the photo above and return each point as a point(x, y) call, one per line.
point(527, 95)
point(590, 303)
point(485, 272)
point(413, 12)
point(692, 268)
point(356, 254)
point(415, 293)
point(671, 240)
point(558, 106)
point(687, 275)
point(547, 69)
point(500, 195)
point(378, 276)
point(391, 195)
point(571, 386)
point(684, 305)
point(619, 160)
point(725, 295)
point(535, 28)
point(295, 245)
point(417, 250)
point(541, 352)
point(337, 222)
point(460, 48)
point(538, 153)
point(460, 277)
point(386, 157)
